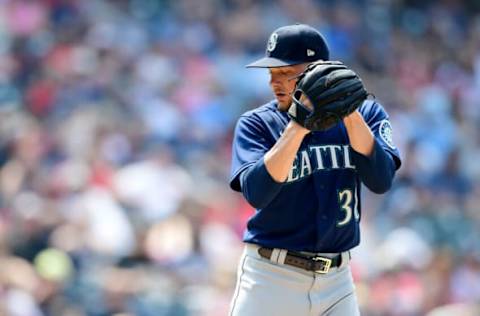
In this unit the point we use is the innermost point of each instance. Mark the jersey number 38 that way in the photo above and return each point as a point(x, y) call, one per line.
point(348, 202)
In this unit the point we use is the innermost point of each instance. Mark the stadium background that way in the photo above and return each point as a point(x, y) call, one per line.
point(116, 119)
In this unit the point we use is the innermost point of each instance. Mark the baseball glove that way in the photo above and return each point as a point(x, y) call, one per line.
point(325, 93)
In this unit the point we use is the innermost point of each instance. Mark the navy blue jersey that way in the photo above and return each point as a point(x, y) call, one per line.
point(318, 208)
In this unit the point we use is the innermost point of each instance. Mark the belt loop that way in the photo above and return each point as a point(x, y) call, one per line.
point(346, 256)
point(282, 256)
point(274, 256)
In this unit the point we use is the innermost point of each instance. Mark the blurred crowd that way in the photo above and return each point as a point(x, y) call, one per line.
point(116, 119)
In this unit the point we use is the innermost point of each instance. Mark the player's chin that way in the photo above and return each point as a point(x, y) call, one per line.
point(284, 104)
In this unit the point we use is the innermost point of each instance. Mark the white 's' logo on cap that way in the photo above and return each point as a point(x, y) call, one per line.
point(272, 42)
point(310, 53)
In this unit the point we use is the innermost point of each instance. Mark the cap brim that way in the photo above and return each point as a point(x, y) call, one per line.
point(270, 62)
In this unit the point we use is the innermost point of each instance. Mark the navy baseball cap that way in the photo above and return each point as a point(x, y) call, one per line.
point(293, 45)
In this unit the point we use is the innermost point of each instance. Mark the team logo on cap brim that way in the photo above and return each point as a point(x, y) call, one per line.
point(272, 42)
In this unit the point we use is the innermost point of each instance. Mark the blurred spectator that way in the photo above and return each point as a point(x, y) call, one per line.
point(115, 127)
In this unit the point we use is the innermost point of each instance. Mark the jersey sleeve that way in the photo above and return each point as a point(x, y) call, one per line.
point(248, 172)
point(378, 120)
point(377, 170)
point(249, 145)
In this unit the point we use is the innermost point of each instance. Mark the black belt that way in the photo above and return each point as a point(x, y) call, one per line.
point(310, 263)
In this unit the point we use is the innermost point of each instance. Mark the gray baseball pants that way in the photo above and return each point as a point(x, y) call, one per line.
point(272, 288)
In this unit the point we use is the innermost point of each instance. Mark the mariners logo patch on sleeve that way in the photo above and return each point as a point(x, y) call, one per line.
point(386, 133)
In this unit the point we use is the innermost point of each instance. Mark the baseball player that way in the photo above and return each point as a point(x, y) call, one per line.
point(303, 177)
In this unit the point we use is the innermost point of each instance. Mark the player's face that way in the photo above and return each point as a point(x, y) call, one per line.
point(282, 81)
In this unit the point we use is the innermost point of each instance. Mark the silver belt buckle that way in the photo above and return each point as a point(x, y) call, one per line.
point(326, 264)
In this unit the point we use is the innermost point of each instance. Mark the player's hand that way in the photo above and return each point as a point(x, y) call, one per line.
point(352, 117)
point(291, 110)
point(297, 128)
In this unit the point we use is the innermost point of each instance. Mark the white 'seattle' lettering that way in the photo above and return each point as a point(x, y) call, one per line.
point(318, 158)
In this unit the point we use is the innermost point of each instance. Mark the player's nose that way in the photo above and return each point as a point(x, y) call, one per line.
point(276, 84)
point(275, 79)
